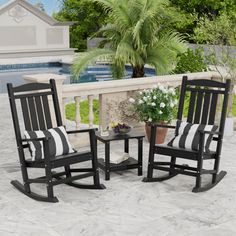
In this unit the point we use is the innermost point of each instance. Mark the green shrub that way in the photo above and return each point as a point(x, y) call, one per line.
point(190, 61)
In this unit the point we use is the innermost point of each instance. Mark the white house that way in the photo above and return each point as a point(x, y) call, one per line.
point(25, 31)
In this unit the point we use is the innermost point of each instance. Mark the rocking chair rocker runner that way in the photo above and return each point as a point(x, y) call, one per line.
point(202, 110)
point(37, 116)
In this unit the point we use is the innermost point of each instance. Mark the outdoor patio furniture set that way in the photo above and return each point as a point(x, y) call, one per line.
point(50, 147)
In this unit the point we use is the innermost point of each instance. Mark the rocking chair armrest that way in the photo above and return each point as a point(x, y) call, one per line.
point(167, 126)
point(81, 131)
point(164, 126)
point(35, 139)
point(209, 132)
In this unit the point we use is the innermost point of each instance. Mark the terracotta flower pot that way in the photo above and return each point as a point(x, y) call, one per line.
point(160, 134)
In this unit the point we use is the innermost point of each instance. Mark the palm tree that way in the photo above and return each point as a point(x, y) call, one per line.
point(137, 35)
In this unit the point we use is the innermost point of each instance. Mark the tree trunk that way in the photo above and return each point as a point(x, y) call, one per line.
point(138, 71)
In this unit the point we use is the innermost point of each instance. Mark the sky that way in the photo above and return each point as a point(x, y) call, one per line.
point(49, 5)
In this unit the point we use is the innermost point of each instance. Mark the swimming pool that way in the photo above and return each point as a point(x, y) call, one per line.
point(102, 72)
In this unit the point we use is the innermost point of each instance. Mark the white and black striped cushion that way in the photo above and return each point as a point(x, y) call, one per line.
point(189, 136)
point(58, 143)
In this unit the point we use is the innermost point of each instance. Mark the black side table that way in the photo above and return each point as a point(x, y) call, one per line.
point(131, 163)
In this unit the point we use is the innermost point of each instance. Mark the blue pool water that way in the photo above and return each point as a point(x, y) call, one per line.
point(14, 73)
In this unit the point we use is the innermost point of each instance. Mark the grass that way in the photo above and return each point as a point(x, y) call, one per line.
point(234, 106)
point(84, 111)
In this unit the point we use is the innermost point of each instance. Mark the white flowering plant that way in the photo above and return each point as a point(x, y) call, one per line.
point(156, 105)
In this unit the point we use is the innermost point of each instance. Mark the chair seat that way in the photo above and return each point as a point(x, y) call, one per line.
point(163, 149)
point(62, 160)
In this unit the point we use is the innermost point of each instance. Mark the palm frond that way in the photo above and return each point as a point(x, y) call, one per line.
point(106, 4)
point(162, 55)
point(128, 54)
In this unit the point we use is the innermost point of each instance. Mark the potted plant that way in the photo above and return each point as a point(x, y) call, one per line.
point(156, 105)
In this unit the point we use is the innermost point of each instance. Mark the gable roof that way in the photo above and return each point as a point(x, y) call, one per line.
point(34, 10)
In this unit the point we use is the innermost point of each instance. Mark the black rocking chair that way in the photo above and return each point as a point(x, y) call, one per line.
point(202, 110)
point(37, 116)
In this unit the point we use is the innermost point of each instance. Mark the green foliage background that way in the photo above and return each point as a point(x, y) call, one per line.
point(88, 18)
point(196, 19)
point(190, 61)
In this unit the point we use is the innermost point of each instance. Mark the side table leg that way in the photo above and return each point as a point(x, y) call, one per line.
point(126, 147)
point(140, 156)
point(107, 161)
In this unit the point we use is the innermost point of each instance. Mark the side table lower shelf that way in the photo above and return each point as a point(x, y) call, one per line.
point(131, 163)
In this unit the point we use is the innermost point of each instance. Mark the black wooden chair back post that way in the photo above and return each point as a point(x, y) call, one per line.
point(151, 151)
point(182, 98)
point(37, 116)
point(19, 144)
point(202, 109)
point(222, 128)
point(56, 103)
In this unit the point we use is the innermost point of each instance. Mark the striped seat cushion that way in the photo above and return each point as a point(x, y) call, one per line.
point(58, 142)
point(189, 137)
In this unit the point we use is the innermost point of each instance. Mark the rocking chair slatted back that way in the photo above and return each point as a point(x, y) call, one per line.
point(198, 108)
point(212, 114)
point(203, 101)
point(34, 105)
point(206, 108)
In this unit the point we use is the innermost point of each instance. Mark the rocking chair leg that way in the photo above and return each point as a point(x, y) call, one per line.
point(198, 178)
point(216, 167)
point(67, 170)
point(150, 166)
point(172, 163)
point(96, 179)
point(24, 171)
point(151, 155)
point(49, 180)
point(198, 181)
point(25, 178)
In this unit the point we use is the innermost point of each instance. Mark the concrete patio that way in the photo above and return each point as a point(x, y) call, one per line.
point(127, 207)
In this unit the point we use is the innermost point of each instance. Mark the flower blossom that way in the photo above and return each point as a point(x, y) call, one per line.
point(165, 90)
point(131, 100)
point(160, 112)
point(162, 105)
point(153, 104)
point(172, 91)
point(150, 119)
point(140, 101)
